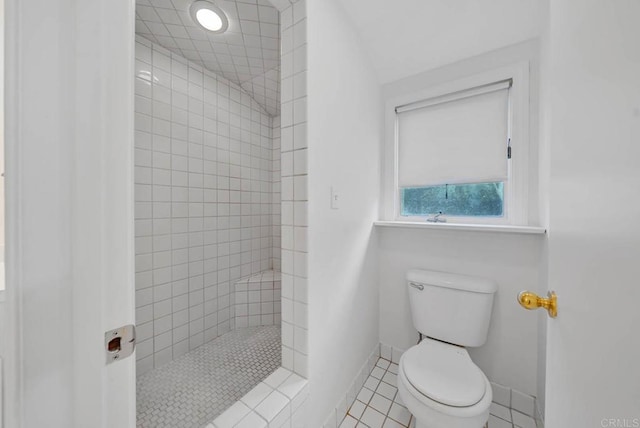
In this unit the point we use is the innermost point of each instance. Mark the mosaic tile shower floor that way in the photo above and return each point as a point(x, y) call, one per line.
point(192, 390)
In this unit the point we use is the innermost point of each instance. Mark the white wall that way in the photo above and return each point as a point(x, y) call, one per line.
point(514, 261)
point(204, 202)
point(593, 347)
point(409, 36)
point(344, 145)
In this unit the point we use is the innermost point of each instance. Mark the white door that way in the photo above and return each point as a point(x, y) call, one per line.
point(69, 111)
point(593, 346)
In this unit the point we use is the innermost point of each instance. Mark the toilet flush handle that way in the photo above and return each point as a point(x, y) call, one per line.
point(418, 286)
point(530, 300)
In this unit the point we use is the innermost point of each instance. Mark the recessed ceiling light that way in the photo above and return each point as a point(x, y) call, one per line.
point(209, 16)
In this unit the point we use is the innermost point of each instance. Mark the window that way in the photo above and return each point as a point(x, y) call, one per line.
point(453, 153)
point(466, 200)
point(460, 151)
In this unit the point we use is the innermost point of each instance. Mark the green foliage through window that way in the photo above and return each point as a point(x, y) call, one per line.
point(469, 200)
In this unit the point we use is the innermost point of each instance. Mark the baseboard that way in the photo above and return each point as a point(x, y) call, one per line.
point(391, 353)
point(342, 407)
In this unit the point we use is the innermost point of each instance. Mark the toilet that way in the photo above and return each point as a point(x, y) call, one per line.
point(437, 380)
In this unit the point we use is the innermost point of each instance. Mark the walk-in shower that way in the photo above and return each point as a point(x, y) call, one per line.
point(207, 191)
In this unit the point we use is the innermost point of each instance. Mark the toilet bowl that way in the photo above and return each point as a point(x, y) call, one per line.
point(442, 387)
point(437, 380)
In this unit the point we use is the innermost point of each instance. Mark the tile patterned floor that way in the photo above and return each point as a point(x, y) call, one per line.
point(378, 405)
point(192, 390)
point(503, 417)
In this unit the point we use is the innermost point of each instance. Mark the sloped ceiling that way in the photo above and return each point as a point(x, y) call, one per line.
point(248, 53)
point(406, 37)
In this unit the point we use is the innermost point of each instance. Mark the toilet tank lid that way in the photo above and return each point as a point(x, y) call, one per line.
point(452, 280)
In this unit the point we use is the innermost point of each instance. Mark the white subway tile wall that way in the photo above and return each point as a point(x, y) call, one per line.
point(276, 195)
point(257, 300)
point(293, 136)
point(293, 215)
point(293, 145)
point(205, 201)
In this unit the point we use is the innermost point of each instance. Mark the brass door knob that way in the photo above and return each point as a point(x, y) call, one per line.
point(529, 300)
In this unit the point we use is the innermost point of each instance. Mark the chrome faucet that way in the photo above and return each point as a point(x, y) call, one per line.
point(436, 218)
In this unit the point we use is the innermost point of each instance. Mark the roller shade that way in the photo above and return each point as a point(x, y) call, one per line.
point(458, 138)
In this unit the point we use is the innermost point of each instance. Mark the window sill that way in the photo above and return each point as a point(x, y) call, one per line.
point(526, 230)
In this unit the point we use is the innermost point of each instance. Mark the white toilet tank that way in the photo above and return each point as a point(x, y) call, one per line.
point(450, 307)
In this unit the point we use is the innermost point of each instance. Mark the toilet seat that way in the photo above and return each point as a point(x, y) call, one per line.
point(444, 373)
point(431, 413)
